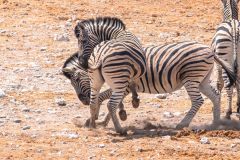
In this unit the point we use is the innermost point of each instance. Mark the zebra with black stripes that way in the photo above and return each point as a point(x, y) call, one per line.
point(80, 81)
point(171, 66)
point(225, 44)
point(120, 63)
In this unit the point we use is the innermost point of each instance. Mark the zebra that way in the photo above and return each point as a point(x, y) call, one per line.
point(171, 66)
point(80, 81)
point(225, 44)
point(120, 63)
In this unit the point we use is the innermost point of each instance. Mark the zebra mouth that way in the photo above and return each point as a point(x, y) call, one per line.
point(85, 100)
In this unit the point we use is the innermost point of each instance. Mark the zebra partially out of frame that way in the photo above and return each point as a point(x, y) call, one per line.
point(120, 63)
point(171, 66)
point(225, 44)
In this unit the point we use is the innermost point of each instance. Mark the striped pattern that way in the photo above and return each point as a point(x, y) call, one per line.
point(91, 32)
point(116, 49)
point(230, 10)
point(225, 44)
point(172, 66)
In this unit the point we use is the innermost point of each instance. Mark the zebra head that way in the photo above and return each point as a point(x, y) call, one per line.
point(230, 9)
point(91, 32)
point(78, 77)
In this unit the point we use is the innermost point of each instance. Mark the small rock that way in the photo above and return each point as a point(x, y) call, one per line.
point(156, 105)
point(43, 49)
point(166, 137)
point(204, 140)
point(26, 127)
point(112, 152)
point(72, 135)
point(60, 102)
point(233, 145)
point(168, 115)
point(17, 121)
point(177, 114)
point(3, 116)
point(61, 37)
point(139, 149)
point(161, 96)
point(2, 93)
point(101, 145)
point(25, 110)
point(68, 24)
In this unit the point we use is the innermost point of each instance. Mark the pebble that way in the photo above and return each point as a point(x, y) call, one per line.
point(161, 96)
point(168, 115)
point(139, 149)
point(177, 114)
point(101, 145)
point(3, 116)
point(72, 135)
point(25, 110)
point(233, 145)
point(26, 127)
point(166, 137)
point(60, 101)
point(17, 121)
point(204, 140)
point(61, 37)
point(43, 49)
point(2, 93)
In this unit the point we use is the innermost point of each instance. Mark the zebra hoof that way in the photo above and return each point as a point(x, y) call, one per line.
point(181, 126)
point(123, 115)
point(89, 124)
point(122, 132)
point(135, 102)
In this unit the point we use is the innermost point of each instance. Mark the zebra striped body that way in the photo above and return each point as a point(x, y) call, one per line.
point(171, 66)
point(225, 44)
point(119, 61)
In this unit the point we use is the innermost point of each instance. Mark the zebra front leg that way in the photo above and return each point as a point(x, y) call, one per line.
point(196, 99)
point(135, 97)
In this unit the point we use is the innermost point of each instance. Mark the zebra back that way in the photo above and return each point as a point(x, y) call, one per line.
point(91, 32)
point(230, 10)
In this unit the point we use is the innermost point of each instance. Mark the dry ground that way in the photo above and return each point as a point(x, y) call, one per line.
point(33, 126)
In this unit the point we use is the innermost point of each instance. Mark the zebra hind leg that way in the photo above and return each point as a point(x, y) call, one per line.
point(135, 97)
point(214, 96)
point(220, 82)
point(229, 91)
point(196, 99)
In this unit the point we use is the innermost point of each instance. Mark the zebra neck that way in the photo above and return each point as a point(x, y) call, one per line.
point(230, 11)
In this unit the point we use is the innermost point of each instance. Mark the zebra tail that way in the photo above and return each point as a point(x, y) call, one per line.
point(235, 41)
point(230, 72)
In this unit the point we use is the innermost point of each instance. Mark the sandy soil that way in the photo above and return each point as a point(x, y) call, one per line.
point(34, 126)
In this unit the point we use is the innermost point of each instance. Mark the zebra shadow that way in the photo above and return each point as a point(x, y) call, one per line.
point(170, 132)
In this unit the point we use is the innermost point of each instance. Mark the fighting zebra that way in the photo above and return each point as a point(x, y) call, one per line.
point(120, 63)
point(80, 81)
point(171, 66)
point(225, 44)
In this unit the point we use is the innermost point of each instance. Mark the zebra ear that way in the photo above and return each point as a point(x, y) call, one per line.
point(67, 72)
point(79, 29)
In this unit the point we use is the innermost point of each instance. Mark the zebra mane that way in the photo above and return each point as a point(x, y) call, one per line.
point(72, 63)
point(230, 9)
point(100, 21)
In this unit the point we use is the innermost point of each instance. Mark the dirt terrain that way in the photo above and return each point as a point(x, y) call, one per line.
point(37, 36)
